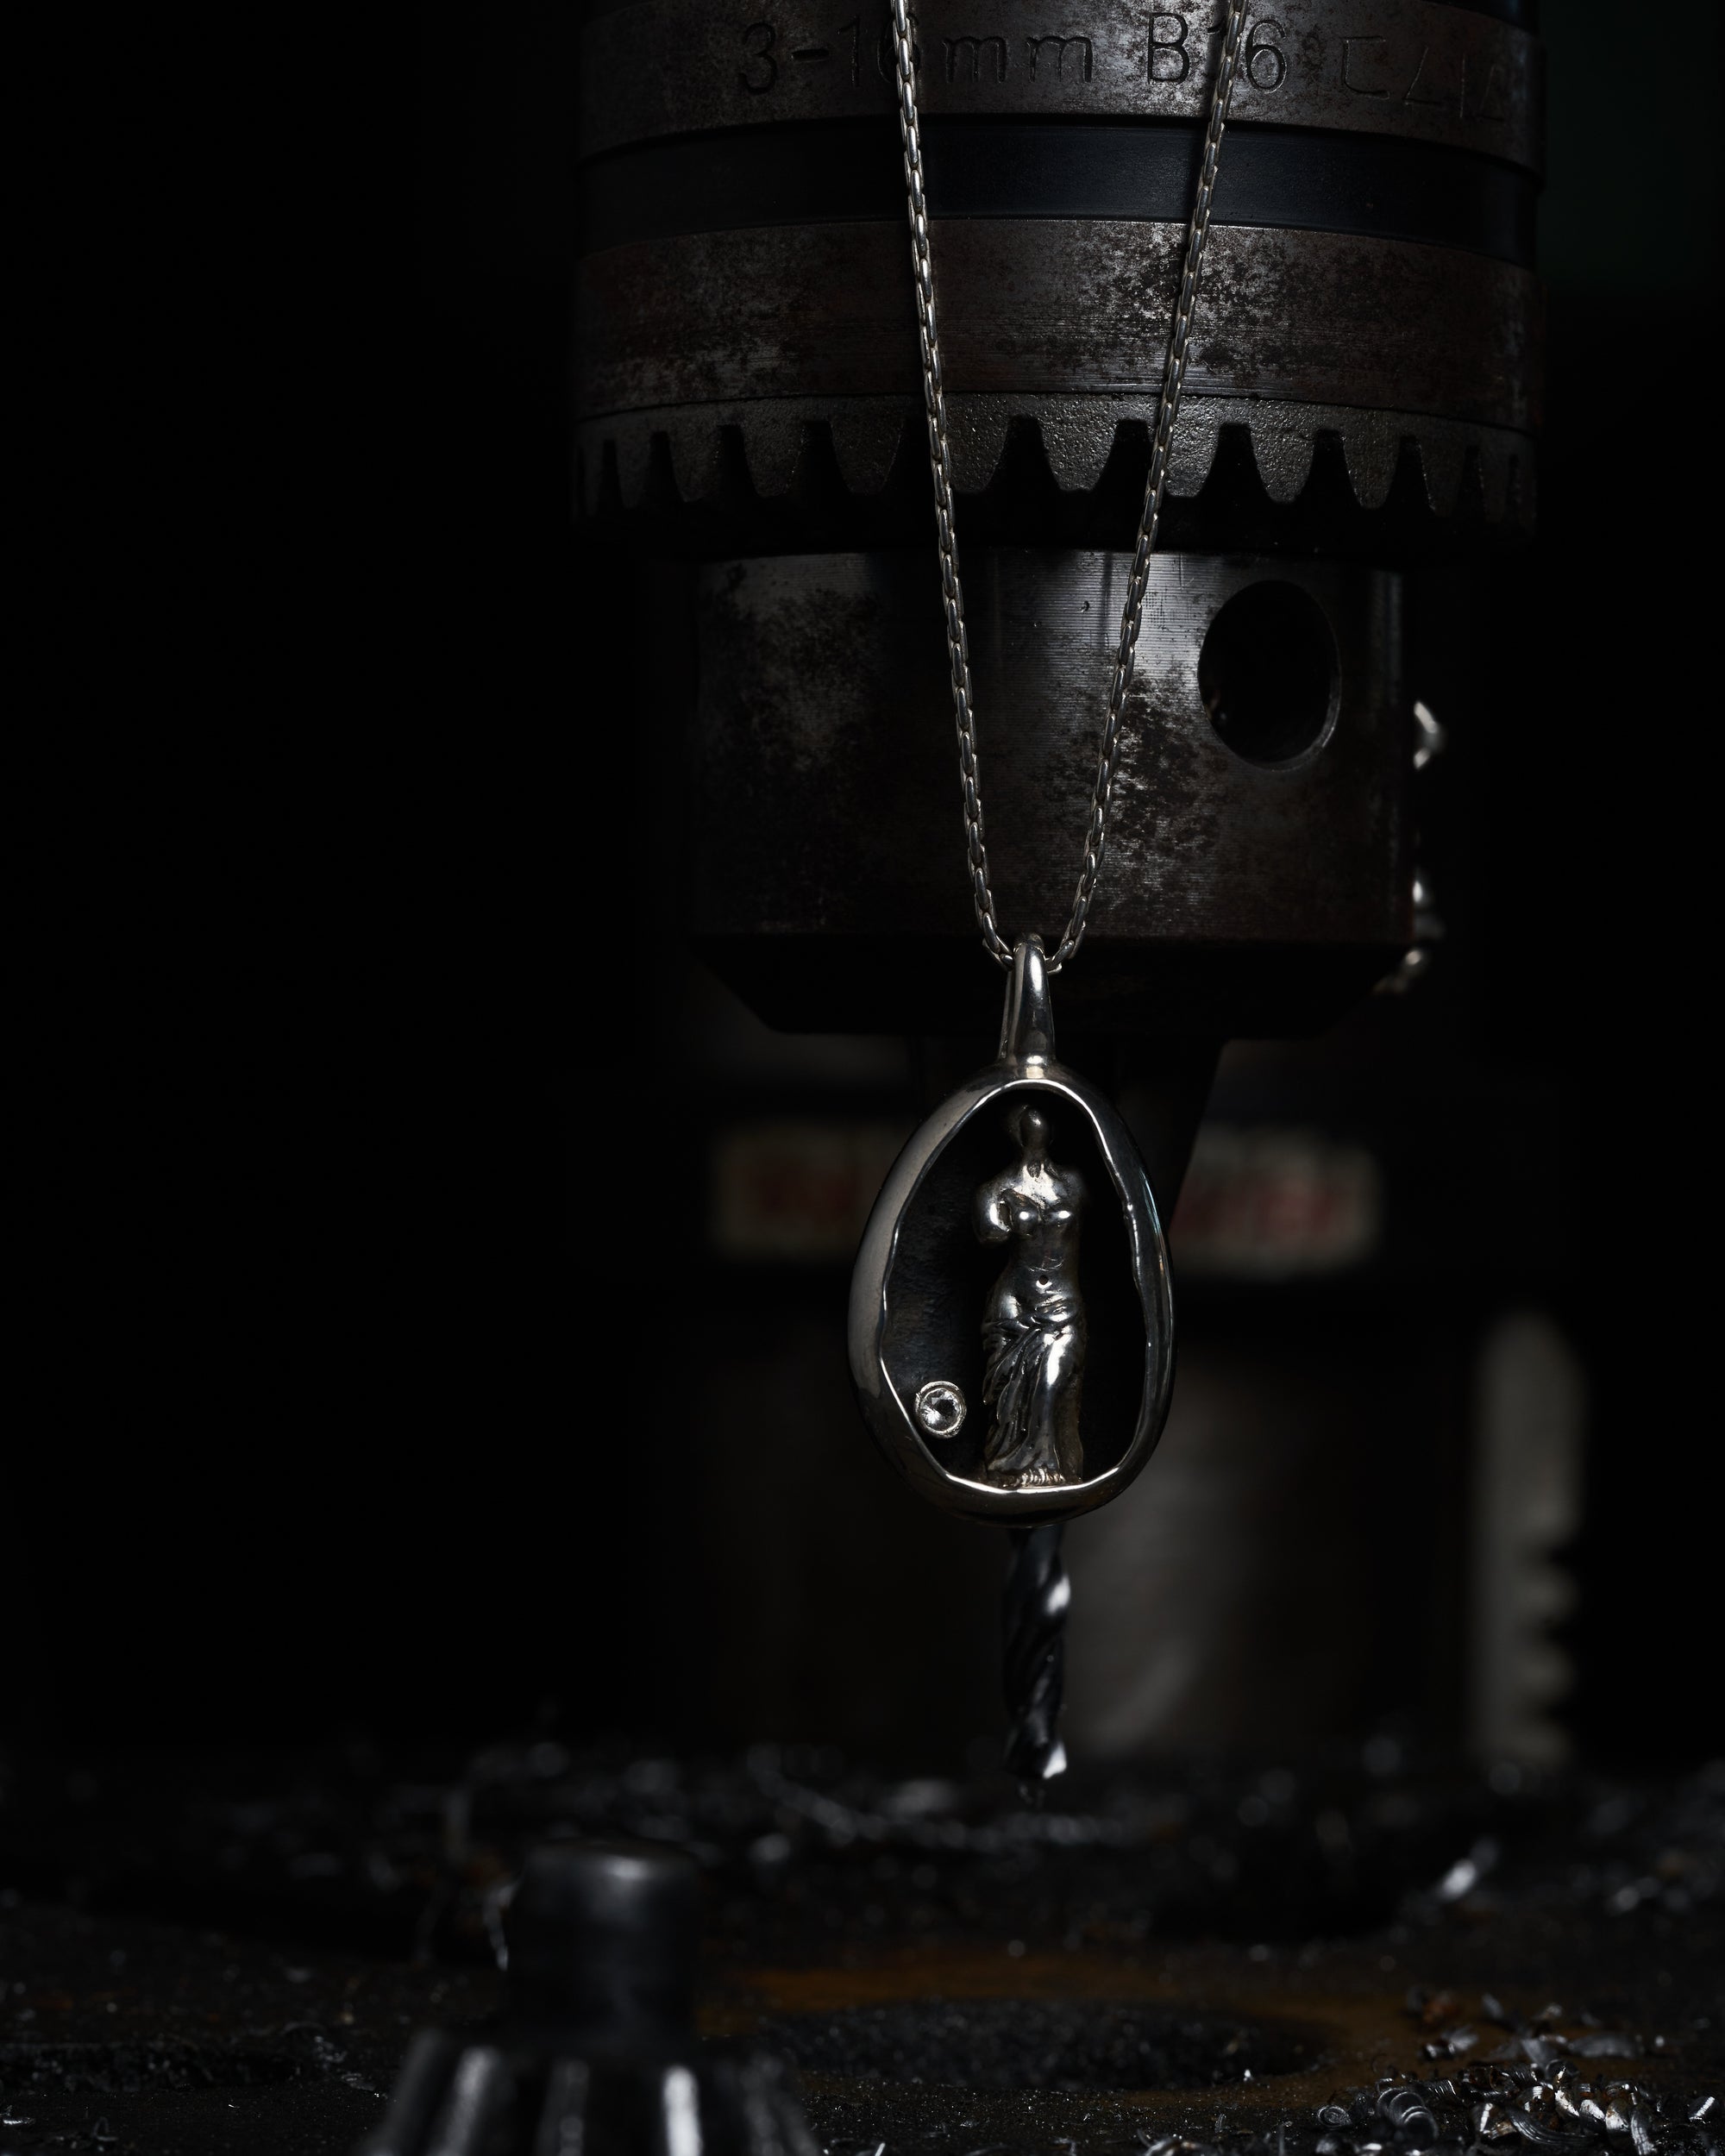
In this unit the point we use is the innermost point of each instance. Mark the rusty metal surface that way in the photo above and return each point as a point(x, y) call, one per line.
point(824, 808)
point(1410, 68)
point(1363, 385)
point(737, 384)
point(1051, 307)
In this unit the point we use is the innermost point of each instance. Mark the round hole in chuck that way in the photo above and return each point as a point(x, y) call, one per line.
point(1268, 673)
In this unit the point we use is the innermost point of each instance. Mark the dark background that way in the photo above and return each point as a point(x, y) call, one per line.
point(366, 1343)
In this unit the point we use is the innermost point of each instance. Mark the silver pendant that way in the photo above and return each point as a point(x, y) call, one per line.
point(1012, 1324)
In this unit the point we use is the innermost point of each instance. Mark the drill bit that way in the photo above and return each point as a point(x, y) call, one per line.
point(1033, 1658)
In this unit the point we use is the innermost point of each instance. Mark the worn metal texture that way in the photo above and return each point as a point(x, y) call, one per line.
point(1049, 307)
point(1409, 68)
point(1361, 395)
point(825, 867)
point(745, 282)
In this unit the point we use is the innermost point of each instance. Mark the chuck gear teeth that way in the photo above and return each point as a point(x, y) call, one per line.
point(713, 454)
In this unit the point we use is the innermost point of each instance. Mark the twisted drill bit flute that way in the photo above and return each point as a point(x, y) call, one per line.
point(1034, 1656)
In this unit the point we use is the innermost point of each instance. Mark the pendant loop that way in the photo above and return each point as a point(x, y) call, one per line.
point(1027, 1028)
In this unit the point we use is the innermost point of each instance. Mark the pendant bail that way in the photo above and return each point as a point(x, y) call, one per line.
point(1027, 1030)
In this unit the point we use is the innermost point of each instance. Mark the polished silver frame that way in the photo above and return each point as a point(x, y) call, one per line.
point(1026, 1065)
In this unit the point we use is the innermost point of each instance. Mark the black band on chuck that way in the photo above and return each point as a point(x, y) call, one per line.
point(828, 172)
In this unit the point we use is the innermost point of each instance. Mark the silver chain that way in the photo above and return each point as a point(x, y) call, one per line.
point(940, 458)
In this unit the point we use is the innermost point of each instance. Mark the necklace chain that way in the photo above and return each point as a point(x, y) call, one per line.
point(940, 458)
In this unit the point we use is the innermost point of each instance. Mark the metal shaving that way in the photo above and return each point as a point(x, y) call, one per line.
point(1490, 2109)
